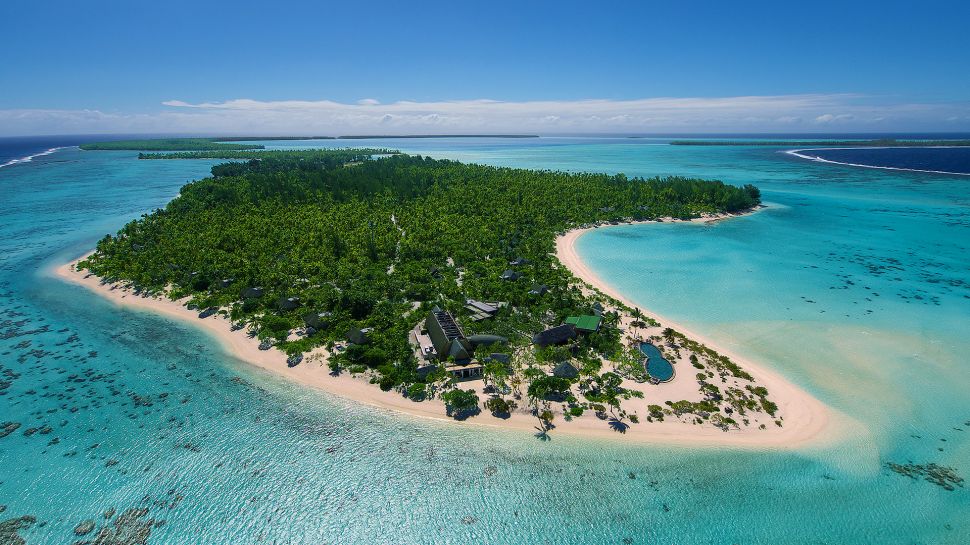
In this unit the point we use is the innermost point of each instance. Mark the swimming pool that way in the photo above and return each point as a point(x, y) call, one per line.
point(657, 366)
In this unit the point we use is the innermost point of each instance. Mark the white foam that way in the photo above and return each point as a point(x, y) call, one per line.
point(798, 153)
point(30, 158)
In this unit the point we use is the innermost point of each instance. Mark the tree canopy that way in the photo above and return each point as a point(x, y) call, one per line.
point(374, 239)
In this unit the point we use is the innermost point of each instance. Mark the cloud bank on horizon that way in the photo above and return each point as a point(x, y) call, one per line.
point(784, 113)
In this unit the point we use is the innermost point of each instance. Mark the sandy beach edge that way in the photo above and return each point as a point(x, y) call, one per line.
point(805, 417)
point(808, 419)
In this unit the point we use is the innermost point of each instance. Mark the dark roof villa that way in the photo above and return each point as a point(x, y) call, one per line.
point(560, 334)
point(359, 336)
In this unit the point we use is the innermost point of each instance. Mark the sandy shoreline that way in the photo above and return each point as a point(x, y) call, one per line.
point(805, 417)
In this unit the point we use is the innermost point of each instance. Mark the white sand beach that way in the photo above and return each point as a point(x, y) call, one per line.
point(805, 419)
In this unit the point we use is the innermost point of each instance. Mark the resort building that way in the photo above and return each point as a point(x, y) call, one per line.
point(561, 334)
point(486, 340)
point(500, 357)
point(317, 320)
point(585, 324)
point(510, 275)
point(481, 310)
point(252, 293)
point(451, 345)
point(565, 370)
point(359, 336)
point(539, 289)
point(426, 348)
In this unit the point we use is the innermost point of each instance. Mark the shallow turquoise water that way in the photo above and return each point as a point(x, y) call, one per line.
point(146, 411)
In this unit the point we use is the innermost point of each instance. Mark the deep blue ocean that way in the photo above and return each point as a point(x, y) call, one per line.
point(954, 160)
point(854, 283)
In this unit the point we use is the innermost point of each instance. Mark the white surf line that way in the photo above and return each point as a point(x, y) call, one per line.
point(797, 153)
point(30, 158)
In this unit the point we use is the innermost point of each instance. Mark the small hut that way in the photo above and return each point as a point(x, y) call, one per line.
point(499, 357)
point(565, 370)
point(510, 275)
point(252, 293)
point(317, 320)
point(359, 336)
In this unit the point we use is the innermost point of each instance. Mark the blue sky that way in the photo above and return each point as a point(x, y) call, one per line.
point(174, 66)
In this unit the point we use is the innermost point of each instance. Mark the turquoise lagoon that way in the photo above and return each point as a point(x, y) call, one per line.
point(853, 283)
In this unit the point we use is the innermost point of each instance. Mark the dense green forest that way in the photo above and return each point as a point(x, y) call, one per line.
point(879, 143)
point(167, 144)
point(378, 241)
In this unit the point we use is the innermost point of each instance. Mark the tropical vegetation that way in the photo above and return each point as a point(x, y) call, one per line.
point(373, 239)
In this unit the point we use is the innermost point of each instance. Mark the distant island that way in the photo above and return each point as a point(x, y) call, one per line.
point(222, 143)
point(167, 144)
point(299, 158)
point(363, 137)
point(441, 283)
point(880, 143)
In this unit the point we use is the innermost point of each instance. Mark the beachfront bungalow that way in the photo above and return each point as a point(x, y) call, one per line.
point(565, 370)
point(585, 324)
point(510, 275)
point(539, 289)
point(560, 334)
point(252, 293)
point(519, 261)
point(289, 303)
point(359, 335)
point(317, 320)
point(226, 282)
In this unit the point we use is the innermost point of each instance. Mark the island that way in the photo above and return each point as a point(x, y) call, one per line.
point(167, 144)
point(445, 289)
point(225, 143)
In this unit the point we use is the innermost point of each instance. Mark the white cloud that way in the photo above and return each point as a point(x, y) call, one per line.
point(324, 117)
point(829, 118)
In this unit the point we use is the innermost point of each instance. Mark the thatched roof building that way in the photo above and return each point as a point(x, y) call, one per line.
point(565, 370)
point(560, 334)
point(252, 293)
